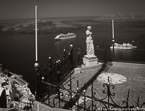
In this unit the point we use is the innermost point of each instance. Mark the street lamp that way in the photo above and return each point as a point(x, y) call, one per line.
point(64, 60)
point(58, 78)
point(71, 56)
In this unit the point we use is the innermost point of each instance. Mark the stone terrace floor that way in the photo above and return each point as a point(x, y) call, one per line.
point(134, 73)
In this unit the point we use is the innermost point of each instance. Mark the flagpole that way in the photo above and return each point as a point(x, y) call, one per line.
point(36, 42)
point(36, 65)
point(113, 40)
point(112, 29)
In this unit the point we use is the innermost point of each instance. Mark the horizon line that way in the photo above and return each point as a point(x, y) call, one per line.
point(61, 17)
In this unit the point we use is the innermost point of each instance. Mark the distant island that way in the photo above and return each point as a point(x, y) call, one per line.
point(49, 25)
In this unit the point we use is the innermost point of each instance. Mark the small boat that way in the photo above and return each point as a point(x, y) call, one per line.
point(123, 46)
point(65, 36)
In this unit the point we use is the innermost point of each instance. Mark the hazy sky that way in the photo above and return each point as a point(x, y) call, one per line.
point(11, 9)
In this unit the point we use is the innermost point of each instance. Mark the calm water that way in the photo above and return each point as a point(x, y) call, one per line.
point(17, 50)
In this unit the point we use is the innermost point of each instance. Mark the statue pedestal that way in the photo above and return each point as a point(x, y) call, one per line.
point(90, 60)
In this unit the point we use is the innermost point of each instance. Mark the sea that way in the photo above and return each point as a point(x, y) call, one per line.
point(17, 51)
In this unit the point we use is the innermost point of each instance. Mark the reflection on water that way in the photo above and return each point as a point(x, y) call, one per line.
point(134, 55)
point(125, 55)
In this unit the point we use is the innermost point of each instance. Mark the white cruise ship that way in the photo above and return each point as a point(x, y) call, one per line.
point(65, 36)
point(123, 46)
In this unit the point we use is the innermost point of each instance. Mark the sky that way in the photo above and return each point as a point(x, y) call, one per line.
point(15, 9)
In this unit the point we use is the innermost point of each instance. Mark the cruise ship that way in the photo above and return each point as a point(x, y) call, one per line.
point(65, 36)
point(123, 46)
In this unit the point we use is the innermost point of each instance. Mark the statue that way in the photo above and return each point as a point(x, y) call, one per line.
point(89, 42)
point(90, 59)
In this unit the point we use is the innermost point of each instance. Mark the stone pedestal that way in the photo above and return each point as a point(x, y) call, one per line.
point(90, 60)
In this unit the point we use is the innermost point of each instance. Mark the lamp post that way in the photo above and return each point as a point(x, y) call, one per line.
point(49, 76)
point(84, 94)
point(64, 60)
point(71, 56)
point(72, 66)
point(58, 79)
point(49, 69)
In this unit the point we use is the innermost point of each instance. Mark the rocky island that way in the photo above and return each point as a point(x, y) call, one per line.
point(50, 25)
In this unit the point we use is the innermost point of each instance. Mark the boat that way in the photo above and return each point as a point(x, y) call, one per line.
point(123, 46)
point(65, 36)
